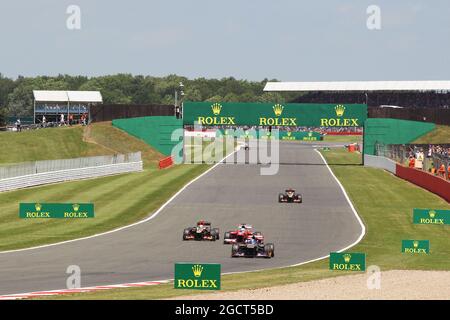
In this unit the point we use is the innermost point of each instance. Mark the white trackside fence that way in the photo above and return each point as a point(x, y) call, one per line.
point(50, 171)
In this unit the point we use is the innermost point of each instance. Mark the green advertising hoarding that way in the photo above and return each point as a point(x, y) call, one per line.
point(56, 210)
point(266, 134)
point(349, 261)
point(274, 114)
point(416, 246)
point(198, 276)
point(431, 216)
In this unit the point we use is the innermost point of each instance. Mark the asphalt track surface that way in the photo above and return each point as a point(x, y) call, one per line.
point(228, 195)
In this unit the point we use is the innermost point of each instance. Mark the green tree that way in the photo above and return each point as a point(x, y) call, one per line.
point(215, 98)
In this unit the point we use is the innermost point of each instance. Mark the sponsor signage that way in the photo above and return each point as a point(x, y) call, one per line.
point(348, 261)
point(416, 246)
point(265, 134)
point(431, 216)
point(56, 210)
point(270, 114)
point(198, 276)
point(300, 136)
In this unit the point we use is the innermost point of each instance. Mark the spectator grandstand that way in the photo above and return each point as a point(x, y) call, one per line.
point(55, 105)
point(409, 100)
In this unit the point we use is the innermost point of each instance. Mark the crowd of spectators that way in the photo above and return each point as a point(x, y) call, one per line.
point(56, 108)
point(55, 121)
point(432, 158)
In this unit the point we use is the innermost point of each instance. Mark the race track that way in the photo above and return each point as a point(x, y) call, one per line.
point(226, 196)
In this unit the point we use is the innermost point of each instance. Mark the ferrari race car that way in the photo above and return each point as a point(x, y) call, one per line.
point(202, 231)
point(290, 196)
point(253, 248)
point(242, 233)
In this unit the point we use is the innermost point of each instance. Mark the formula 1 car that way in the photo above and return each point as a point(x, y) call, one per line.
point(253, 248)
point(290, 196)
point(202, 231)
point(242, 233)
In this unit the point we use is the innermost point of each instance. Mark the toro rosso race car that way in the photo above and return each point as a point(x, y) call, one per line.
point(202, 231)
point(253, 248)
point(290, 196)
point(241, 234)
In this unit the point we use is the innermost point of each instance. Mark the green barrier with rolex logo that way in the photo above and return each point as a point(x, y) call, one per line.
point(199, 276)
point(431, 216)
point(56, 210)
point(348, 261)
point(416, 246)
point(274, 114)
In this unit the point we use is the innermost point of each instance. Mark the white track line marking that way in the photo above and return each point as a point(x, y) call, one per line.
point(133, 224)
point(80, 290)
point(107, 287)
point(363, 228)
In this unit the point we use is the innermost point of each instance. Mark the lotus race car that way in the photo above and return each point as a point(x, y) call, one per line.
point(253, 248)
point(241, 234)
point(290, 196)
point(202, 231)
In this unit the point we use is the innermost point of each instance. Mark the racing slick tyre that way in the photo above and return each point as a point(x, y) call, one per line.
point(269, 250)
point(234, 250)
point(280, 197)
point(226, 235)
point(214, 235)
point(217, 233)
point(185, 234)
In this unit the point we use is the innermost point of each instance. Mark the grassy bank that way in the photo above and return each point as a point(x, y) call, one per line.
point(439, 135)
point(71, 142)
point(119, 200)
point(330, 138)
point(385, 204)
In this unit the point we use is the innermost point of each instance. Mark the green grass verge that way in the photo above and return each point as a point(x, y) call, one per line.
point(45, 144)
point(204, 150)
point(385, 204)
point(71, 142)
point(119, 200)
point(439, 135)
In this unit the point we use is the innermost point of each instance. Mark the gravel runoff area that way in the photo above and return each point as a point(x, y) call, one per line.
point(395, 284)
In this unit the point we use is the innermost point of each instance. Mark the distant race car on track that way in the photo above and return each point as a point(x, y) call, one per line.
point(290, 196)
point(202, 231)
point(253, 248)
point(239, 235)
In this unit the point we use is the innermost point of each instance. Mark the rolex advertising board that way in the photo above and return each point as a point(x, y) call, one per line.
point(431, 216)
point(274, 114)
point(56, 210)
point(199, 276)
point(349, 261)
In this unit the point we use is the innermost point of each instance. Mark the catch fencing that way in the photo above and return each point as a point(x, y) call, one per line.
point(50, 171)
point(434, 159)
